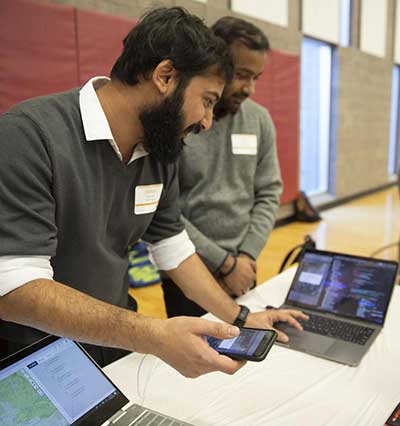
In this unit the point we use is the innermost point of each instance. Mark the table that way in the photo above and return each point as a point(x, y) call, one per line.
point(287, 388)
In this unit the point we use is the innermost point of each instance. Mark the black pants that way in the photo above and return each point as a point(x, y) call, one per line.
point(177, 303)
point(102, 355)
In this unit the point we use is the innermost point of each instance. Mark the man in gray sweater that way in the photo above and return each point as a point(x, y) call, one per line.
point(229, 176)
point(87, 172)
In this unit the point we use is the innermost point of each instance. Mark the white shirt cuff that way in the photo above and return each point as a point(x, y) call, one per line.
point(15, 271)
point(171, 252)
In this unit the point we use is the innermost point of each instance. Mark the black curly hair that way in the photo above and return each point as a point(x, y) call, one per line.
point(174, 34)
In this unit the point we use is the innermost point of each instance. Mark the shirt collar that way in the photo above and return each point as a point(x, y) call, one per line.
point(94, 120)
point(95, 124)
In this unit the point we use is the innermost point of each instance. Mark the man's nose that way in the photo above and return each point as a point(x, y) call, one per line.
point(250, 88)
point(206, 122)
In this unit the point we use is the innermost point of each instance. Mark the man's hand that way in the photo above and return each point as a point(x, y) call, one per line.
point(182, 345)
point(243, 276)
point(251, 262)
point(224, 287)
point(267, 319)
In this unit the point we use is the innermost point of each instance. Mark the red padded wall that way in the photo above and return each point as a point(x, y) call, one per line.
point(37, 50)
point(47, 48)
point(100, 39)
point(278, 90)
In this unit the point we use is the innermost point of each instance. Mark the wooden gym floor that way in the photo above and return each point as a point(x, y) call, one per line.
point(359, 227)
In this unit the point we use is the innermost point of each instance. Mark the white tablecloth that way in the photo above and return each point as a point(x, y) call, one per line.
point(287, 388)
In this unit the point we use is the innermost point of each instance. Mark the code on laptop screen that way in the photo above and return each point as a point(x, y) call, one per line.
point(349, 286)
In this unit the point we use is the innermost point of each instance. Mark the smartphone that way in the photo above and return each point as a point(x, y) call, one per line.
point(252, 344)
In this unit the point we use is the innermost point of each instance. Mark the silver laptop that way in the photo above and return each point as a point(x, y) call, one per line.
point(54, 382)
point(346, 297)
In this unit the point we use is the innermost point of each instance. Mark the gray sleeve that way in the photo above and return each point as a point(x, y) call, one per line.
point(212, 255)
point(166, 221)
point(27, 213)
point(267, 190)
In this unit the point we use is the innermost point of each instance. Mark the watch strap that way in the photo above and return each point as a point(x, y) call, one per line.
point(242, 316)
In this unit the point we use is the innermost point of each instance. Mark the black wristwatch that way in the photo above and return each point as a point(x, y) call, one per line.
point(242, 316)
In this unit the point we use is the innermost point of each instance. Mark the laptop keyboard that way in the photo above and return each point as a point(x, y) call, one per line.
point(338, 329)
point(141, 416)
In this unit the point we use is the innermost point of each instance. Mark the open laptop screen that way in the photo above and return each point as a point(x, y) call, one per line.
point(345, 285)
point(55, 384)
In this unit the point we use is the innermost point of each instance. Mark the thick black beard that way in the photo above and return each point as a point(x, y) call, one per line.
point(163, 127)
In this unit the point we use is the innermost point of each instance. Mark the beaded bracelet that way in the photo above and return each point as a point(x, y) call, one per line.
point(231, 269)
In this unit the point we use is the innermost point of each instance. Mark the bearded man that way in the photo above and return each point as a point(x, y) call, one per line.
point(86, 173)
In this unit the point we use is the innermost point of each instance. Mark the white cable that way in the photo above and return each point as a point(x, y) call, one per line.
point(138, 378)
point(142, 395)
point(374, 253)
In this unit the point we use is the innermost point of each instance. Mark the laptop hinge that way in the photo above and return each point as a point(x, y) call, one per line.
point(126, 406)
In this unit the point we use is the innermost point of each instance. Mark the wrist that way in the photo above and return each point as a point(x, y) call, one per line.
point(227, 264)
point(228, 267)
point(244, 254)
point(147, 334)
point(242, 316)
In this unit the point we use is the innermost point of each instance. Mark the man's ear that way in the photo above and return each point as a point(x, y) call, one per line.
point(164, 76)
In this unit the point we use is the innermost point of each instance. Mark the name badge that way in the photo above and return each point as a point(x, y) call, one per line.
point(147, 198)
point(244, 144)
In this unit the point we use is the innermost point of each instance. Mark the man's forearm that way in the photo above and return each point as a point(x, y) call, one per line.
point(58, 309)
point(61, 310)
point(213, 255)
point(199, 285)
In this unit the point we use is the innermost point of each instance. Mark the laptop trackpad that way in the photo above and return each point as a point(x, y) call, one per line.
point(307, 342)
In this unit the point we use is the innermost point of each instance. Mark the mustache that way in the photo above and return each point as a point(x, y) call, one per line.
point(241, 95)
point(194, 128)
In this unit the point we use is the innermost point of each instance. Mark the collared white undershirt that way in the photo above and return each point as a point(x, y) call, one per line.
point(168, 253)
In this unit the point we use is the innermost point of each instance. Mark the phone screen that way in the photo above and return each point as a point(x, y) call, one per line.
point(245, 344)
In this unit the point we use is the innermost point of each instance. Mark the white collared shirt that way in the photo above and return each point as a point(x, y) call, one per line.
point(15, 271)
point(95, 124)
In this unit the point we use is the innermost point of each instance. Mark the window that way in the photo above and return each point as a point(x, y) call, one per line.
point(345, 23)
point(393, 157)
point(315, 115)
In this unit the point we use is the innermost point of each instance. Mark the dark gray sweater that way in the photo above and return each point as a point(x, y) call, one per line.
point(73, 200)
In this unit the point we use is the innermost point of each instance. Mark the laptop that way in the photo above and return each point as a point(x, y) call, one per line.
point(346, 297)
point(54, 382)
